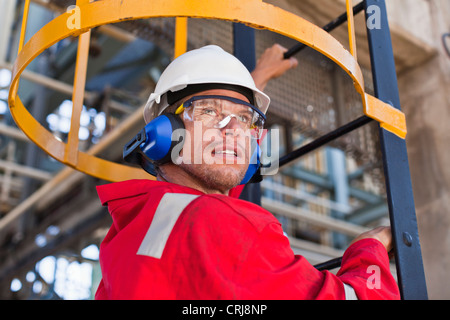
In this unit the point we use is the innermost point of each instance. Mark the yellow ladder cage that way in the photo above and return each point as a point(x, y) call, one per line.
point(86, 15)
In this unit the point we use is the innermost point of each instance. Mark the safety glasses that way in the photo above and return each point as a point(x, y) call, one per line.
point(218, 111)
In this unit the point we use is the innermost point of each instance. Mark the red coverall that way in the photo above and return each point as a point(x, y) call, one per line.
point(218, 247)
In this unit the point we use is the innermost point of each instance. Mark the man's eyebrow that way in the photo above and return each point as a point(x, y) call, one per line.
point(246, 109)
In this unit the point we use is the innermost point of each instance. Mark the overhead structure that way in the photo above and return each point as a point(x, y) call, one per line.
point(87, 15)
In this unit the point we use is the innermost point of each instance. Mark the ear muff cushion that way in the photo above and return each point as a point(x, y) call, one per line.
point(159, 140)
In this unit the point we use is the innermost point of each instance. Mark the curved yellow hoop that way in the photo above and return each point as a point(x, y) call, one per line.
point(254, 13)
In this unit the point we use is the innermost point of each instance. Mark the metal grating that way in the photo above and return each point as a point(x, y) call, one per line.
point(202, 32)
point(312, 99)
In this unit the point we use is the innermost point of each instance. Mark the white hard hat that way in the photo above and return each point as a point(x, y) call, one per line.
point(209, 67)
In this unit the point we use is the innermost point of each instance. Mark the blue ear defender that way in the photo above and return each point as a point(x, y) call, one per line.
point(253, 167)
point(154, 143)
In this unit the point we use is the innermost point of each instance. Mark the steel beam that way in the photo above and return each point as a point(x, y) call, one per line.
point(324, 182)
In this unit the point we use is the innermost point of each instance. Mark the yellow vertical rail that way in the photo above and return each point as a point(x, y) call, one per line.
point(180, 36)
point(79, 83)
point(351, 28)
point(24, 24)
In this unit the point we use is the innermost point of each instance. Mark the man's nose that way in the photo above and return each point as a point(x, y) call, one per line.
point(232, 127)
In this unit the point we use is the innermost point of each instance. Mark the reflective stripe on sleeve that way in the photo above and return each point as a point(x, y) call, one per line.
point(350, 293)
point(166, 215)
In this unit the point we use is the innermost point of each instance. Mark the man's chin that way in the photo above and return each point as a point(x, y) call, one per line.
point(217, 177)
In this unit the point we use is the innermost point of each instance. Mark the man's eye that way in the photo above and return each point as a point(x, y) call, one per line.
point(210, 112)
point(244, 118)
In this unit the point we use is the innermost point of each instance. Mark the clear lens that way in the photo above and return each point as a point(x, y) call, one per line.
point(218, 112)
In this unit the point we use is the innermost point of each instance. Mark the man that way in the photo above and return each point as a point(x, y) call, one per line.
point(186, 235)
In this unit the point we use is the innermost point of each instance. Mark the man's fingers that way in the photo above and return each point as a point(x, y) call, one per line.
point(382, 234)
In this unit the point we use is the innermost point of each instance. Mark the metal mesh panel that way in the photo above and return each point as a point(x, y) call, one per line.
point(160, 31)
point(303, 96)
point(317, 97)
point(202, 32)
point(313, 99)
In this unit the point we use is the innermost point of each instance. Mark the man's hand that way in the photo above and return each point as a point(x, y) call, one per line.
point(272, 65)
point(382, 234)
